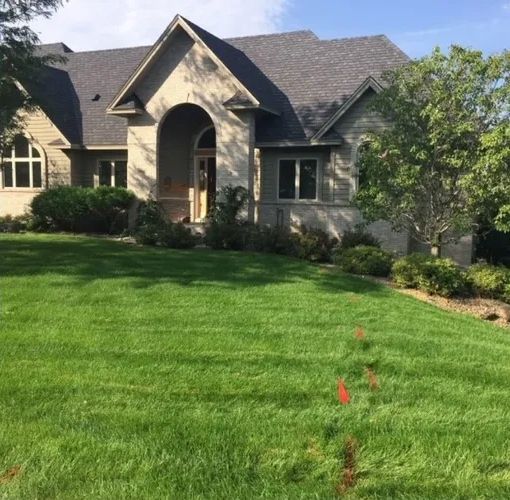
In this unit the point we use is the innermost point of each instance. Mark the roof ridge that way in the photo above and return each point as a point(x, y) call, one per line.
point(279, 33)
point(112, 50)
point(360, 37)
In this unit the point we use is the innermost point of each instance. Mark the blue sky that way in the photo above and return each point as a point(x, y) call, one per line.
point(417, 26)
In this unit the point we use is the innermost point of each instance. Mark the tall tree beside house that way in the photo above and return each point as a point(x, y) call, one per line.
point(20, 61)
point(443, 163)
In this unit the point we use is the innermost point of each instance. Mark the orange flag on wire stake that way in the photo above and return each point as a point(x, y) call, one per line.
point(360, 334)
point(343, 393)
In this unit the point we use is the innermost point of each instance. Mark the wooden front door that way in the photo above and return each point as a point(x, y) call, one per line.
point(206, 188)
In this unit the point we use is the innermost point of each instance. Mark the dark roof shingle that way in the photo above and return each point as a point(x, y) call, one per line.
point(302, 77)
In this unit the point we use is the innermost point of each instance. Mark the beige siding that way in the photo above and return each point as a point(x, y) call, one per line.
point(333, 211)
point(84, 165)
point(57, 165)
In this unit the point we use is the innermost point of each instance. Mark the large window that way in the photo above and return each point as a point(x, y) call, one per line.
point(112, 173)
point(22, 165)
point(360, 173)
point(298, 179)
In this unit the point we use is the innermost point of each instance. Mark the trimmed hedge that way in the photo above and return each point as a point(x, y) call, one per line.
point(365, 260)
point(358, 237)
point(82, 210)
point(488, 281)
point(430, 274)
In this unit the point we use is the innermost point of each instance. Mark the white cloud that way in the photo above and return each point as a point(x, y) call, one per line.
point(506, 6)
point(96, 24)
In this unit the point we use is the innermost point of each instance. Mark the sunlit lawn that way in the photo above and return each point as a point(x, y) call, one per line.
point(132, 372)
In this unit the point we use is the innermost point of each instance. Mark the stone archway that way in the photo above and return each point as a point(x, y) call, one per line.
point(186, 170)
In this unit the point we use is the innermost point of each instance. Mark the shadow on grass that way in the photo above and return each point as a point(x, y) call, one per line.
point(88, 259)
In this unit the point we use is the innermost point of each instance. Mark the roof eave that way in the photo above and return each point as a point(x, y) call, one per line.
point(125, 112)
point(303, 143)
point(251, 107)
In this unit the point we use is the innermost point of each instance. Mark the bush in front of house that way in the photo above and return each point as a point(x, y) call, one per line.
point(358, 236)
point(406, 271)
point(17, 224)
point(433, 275)
point(442, 277)
point(82, 210)
point(489, 281)
point(152, 227)
point(365, 260)
point(314, 245)
point(275, 239)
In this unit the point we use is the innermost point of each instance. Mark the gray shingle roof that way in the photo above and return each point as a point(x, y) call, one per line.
point(305, 79)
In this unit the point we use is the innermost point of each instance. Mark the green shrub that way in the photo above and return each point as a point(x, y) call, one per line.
point(177, 236)
point(17, 224)
point(82, 210)
point(506, 294)
point(225, 229)
point(314, 245)
point(219, 236)
point(275, 239)
point(430, 274)
point(488, 281)
point(230, 202)
point(153, 228)
point(358, 237)
point(406, 271)
point(150, 223)
point(442, 277)
point(364, 260)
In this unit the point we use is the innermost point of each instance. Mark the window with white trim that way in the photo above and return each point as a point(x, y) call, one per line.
point(298, 179)
point(112, 173)
point(22, 165)
point(360, 174)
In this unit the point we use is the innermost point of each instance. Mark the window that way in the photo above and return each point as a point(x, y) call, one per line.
point(22, 165)
point(207, 139)
point(112, 173)
point(360, 174)
point(298, 179)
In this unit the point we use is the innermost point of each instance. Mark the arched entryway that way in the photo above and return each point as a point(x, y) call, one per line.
point(187, 163)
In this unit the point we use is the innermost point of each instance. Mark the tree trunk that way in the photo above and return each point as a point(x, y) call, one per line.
point(435, 247)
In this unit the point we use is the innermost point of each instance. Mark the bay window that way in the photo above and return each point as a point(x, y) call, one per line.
point(298, 179)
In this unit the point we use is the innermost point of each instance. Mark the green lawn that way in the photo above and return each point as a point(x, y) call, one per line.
point(132, 372)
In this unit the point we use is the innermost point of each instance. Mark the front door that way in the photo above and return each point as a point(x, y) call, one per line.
point(206, 186)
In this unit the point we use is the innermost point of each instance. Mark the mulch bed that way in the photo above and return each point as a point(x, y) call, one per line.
point(495, 311)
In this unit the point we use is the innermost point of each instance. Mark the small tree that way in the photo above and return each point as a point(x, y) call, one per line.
point(443, 162)
point(20, 62)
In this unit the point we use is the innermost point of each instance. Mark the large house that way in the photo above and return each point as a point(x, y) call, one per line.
point(283, 115)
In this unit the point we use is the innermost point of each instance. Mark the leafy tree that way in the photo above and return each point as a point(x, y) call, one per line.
point(443, 163)
point(20, 62)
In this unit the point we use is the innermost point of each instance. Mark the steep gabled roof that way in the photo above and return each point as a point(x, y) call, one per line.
point(249, 80)
point(305, 80)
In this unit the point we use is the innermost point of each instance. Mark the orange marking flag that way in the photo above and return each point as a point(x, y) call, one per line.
point(343, 394)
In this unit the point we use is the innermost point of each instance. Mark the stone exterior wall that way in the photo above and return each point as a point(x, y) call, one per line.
point(56, 165)
point(185, 74)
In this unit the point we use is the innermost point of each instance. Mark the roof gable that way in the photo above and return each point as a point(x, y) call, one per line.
point(223, 54)
point(369, 83)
